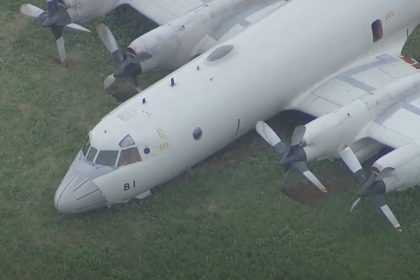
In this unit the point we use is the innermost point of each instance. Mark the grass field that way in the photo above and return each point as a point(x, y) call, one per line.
point(227, 222)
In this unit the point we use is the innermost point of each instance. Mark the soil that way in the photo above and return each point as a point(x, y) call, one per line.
point(304, 192)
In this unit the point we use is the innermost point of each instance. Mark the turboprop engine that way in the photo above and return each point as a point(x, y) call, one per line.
point(85, 10)
point(396, 171)
point(65, 14)
point(325, 135)
point(405, 162)
point(334, 133)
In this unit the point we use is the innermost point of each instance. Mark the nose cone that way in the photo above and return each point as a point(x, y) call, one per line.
point(77, 193)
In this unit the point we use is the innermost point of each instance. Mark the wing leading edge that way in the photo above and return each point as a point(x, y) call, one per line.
point(164, 11)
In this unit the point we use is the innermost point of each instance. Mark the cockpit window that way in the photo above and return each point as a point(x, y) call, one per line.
point(91, 154)
point(129, 156)
point(126, 141)
point(108, 158)
point(86, 146)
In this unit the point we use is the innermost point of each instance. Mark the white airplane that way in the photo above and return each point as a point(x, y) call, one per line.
point(187, 28)
point(337, 60)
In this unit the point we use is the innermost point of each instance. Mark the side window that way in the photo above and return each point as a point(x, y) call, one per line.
point(86, 147)
point(126, 141)
point(92, 153)
point(129, 156)
point(377, 30)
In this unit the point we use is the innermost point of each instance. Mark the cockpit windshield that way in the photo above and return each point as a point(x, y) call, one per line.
point(129, 156)
point(112, 157)
point(108, 158)
point(91, 154)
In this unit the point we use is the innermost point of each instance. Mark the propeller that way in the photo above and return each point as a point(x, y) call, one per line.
point(291, 157)
point(373, 187)
point(56, 18)
point(126, 64)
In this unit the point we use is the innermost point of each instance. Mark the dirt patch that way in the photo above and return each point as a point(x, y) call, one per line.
point(305, 193)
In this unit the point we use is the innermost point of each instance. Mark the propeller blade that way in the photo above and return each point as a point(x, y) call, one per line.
point(355, 203)
point(58, 35)
point(31, 11)
point(302, 167)
point(368, 183)
point(107, 38)
point(52, 7)
point(297, 135)
point(291, 157)
point(314, 180)
point(57, 31)
point(109, 81)
point(373, 186)
point(379, 202)
point(265, 131)
point(350, 159)
point(61, 49)
point(391, 217)
point(76, 27)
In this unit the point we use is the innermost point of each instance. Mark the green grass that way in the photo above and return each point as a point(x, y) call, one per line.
point(228, 222)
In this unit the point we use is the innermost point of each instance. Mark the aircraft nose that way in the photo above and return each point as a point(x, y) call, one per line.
point(77, 193)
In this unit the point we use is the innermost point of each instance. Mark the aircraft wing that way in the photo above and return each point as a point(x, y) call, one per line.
point(163, 11)
point(353, 82)
point(396, 126)
point(249, 14)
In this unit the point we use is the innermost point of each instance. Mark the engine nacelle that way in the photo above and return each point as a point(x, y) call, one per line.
point(151, 48)
point(177, 42)
point(323, 136)
point(406, 163)
point(85, 10)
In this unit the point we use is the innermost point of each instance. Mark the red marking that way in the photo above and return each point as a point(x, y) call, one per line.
point(411, 61)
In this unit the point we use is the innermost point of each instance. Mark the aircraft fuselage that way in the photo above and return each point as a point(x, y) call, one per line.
point(264, 70)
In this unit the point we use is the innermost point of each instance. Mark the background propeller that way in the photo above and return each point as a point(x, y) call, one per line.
point(56, 18)
point(291, 157)
point(126, 65)
point(373, 187)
